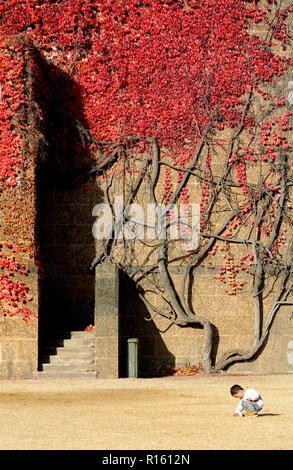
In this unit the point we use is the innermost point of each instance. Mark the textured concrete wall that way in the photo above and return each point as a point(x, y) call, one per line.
point(107, 321)
point(231, 316)
point(232, 319)
point(19, 342)
point(69, 292)
point(162, 343)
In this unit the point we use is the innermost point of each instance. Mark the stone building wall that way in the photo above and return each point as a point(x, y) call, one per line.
point(66, 295)
point(18, 340)
point(19, 343)
point(232, 317)
point(162, 343)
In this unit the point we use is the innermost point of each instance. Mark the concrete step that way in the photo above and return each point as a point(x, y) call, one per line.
point(79, 353)
point(70, 334)
point(72, 337)
point(77, 341)
point(70, 348)
point(69, 367)
point(44, 375)
point(62, 359)
point(85, 334)
point(72, 354)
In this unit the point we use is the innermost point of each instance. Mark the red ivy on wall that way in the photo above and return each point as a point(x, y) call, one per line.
point(166, 69)
point(11, 99)
point(152, 68)
point(14, 296)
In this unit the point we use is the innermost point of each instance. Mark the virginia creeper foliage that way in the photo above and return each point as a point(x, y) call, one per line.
point(177, 73)
point(162, 69)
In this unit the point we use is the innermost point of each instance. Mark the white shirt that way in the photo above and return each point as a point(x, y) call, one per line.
point(253, 395)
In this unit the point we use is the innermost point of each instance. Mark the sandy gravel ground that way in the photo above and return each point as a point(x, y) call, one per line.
point(173, 413)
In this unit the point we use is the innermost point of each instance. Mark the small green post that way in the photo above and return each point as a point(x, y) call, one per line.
point(132, 357)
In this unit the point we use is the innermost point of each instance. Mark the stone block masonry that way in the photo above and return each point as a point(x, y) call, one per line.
point(107, 321)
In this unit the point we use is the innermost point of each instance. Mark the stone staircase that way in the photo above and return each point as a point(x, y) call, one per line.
point(72, 356)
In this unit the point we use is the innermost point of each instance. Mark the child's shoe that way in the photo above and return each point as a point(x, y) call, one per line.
point(250, 414)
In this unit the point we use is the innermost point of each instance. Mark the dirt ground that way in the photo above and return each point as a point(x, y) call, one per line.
point(171, 413)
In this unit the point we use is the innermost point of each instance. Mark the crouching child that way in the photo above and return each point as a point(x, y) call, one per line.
point(250, 401)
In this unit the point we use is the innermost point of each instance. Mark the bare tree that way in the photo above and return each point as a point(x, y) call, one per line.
point(247, 191)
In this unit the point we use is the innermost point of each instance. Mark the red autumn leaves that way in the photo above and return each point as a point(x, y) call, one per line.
point(169, 70)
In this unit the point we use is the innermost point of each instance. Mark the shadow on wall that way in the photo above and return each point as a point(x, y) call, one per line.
point(64, 219)
point(215, 331)
point(132, 324)
point(153, 353)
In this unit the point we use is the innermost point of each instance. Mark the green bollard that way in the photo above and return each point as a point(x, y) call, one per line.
point(132, 357)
